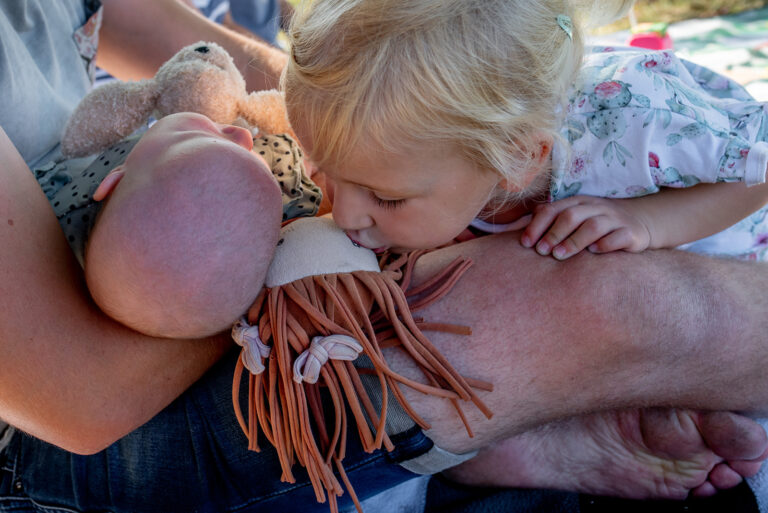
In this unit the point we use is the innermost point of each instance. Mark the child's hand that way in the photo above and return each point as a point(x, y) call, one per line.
point(565, 227)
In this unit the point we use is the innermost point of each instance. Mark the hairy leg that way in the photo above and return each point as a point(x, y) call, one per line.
point(591, 334)
point(640, 453)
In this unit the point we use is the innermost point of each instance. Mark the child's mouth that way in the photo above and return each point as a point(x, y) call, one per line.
point(358, 243)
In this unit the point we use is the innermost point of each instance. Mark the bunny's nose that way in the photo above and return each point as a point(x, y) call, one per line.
point(202, 49)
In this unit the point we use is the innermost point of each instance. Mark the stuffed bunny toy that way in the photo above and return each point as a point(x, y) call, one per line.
point(201, 78)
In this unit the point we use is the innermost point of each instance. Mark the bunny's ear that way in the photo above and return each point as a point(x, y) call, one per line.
point(266, 111)
point(107, 115)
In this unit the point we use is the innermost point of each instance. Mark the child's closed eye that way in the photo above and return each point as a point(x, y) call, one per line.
point(387, 204)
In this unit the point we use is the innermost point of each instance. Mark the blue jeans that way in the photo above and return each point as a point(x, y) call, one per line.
point(191, 457)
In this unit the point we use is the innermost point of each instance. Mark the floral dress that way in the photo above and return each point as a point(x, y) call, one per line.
point(638, 120)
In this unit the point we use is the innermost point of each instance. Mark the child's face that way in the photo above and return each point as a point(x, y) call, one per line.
point(406, 200)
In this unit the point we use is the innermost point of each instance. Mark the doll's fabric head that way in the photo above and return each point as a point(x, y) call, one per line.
point(200, 78)
point(316, 246)
point(186, 233)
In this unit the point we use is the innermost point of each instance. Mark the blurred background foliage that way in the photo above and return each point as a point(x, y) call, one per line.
point(670, 11)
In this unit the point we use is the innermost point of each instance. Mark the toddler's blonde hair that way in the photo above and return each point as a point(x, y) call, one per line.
point(478, 74)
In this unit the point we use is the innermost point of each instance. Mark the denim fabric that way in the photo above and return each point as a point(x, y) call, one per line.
point(191, 457)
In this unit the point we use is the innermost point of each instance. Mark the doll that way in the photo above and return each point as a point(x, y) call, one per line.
point(327, 303)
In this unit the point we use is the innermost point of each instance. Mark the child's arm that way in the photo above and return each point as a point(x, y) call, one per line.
point(663, 220)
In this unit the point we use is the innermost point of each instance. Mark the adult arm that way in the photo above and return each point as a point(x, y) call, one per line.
point(138, 36)
point(69, 374)
point(593, 333)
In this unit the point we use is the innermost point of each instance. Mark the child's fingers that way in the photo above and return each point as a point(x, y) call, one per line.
point(543, 217)
point(614, 241)
point(591, 230)
point(565, 224)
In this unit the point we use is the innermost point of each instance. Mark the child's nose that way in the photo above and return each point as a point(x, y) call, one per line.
point(349, 210)
point(238, 135)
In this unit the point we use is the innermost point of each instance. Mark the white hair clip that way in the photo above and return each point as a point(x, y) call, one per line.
point(566, 24)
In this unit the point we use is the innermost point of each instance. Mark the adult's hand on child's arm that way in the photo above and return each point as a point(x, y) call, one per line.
point(68, 374)
point(565, 227)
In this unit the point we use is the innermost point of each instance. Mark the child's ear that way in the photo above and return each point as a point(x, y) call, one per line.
point(109, 183)
point(538, 151)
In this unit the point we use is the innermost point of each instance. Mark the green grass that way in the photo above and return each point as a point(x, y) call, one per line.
point(670, 11)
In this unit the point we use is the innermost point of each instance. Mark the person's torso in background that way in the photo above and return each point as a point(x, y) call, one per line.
point(46, 51)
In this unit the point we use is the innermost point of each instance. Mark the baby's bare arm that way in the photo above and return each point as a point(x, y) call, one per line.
point(596, 332)
point(68, 374)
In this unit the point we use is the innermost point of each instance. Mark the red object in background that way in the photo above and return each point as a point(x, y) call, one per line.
point(653, 36)
point(651, 40)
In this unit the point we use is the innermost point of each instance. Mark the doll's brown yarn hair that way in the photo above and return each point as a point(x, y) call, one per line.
point(375, 309)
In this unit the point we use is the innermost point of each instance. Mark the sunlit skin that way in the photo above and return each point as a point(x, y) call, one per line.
point(415, 198)
point(185, 136)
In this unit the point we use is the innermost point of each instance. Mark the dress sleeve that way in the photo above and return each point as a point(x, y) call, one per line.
point(638, 121)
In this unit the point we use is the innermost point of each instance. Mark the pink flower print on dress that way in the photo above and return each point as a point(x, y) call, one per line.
point(653, 159)
point(578, 165)
point(657, 63)
point(611, 94)
point(607, 90)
